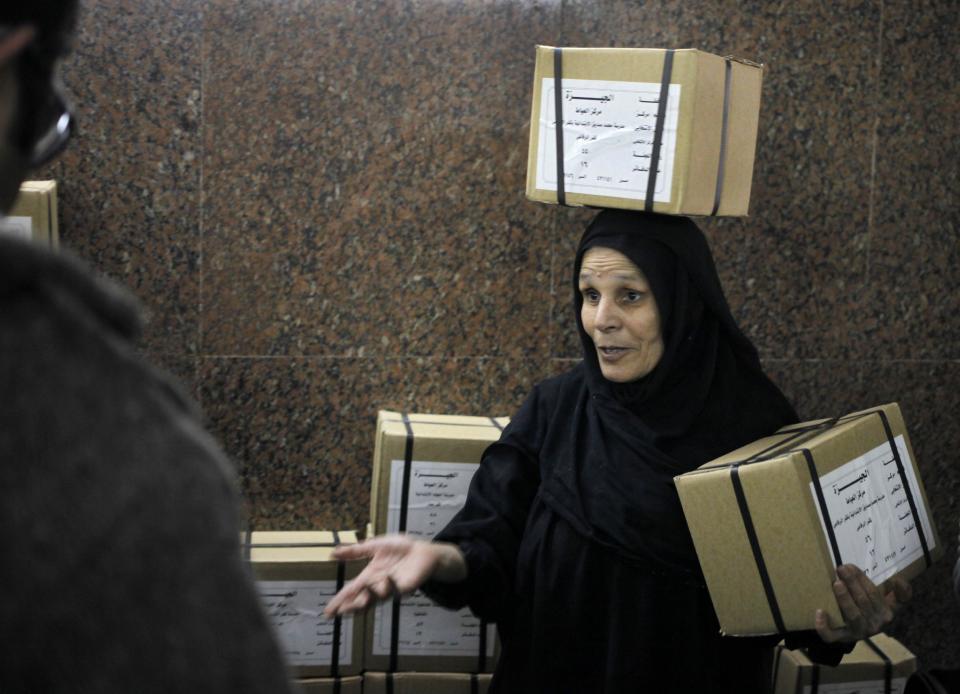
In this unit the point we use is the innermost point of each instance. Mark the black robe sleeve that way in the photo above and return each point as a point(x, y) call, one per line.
point(490, 526)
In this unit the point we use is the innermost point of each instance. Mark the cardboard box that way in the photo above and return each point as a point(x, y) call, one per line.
point(296, 577)
point(610, 106)
point(329, 685)
point(772, 520)
point(426, 683)
point(422, 468)
point(33, 216)
point(876, 665)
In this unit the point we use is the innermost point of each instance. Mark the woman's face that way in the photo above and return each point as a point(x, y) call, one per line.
point(620, 315)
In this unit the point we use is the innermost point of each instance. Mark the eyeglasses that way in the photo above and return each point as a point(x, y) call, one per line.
point(47, 121)
point(55, 125)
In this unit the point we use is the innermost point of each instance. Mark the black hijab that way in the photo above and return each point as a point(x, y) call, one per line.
point(612, 475)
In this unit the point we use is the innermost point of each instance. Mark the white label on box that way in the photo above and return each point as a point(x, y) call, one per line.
point(897, 685)
point(437, 491)
point(870, 512)
point(295, 609)
point(608, 130)
point(18, 227)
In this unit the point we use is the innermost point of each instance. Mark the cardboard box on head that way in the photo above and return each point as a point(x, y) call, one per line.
point(622, 109)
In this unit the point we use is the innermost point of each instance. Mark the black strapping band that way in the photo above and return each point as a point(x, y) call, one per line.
point(815, 679)
point(389, 683)
point(906, 486)
point(658, 129)
point(474, 684)
point(558, 113)
point(887, 666)
point(496, 423)
point(402, 527)
point(482, 655)
point(337, 624)
point(755, 546)
point(723, 136)
point(822, 502)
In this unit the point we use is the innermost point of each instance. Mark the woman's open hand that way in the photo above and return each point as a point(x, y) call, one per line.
point(867, 608)
point(398, 564)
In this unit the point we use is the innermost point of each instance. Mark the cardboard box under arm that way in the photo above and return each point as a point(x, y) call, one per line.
point(694, 113)
point(33, 216)
point(296, 577)
point(876, 665)
point(425, 683)
point(772, 520)
point(423, 465)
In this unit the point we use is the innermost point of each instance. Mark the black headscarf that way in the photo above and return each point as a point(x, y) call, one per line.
point(612, 477)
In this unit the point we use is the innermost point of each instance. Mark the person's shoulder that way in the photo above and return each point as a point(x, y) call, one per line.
point(58, 286)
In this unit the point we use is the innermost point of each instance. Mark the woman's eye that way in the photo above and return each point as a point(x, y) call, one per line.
point(590, 295)
point(632, 296)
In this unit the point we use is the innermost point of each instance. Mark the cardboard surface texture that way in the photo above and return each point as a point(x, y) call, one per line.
point(425, 683)
point(423, 464)
point(33, 216)
point(865, 670)
point(772, 520)
point(610, 107)
point(296, 576)
point(328, 685)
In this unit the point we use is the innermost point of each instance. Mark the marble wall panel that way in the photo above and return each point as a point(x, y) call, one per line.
point(129, 183)
point(302, 429)
point(389, 187)
point(914, 254)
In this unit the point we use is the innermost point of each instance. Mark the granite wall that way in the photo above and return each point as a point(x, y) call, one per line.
point(320, 204)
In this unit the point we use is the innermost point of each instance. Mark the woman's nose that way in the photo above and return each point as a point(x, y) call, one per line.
point(607, 316)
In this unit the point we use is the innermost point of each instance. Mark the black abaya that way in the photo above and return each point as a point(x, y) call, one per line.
point(574, 537)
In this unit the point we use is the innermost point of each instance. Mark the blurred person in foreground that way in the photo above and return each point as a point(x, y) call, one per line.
point(119, 527)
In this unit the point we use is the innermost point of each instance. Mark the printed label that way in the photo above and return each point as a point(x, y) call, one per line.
point(18, 227)
point(897, 685)
point(608, 130)
point(870, 513)
point(295, 609)
point(437, 491)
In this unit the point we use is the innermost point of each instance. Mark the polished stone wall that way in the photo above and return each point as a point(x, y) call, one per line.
point(320, 204)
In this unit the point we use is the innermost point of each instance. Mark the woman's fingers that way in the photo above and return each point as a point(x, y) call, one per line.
point(866, 608)
point(828, 633)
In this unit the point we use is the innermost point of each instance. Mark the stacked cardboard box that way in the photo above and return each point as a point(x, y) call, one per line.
point(296, 577)
point(622, 109)
point(772, 520)
point(33, 216)
point(423, 465)
point(425, 683)
point(330, 685)
point(878, 665)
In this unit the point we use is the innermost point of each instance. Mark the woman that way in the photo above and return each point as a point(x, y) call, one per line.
point(572, 539)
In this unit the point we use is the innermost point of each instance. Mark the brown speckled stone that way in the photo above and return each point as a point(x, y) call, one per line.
point(383, 211)
point(302, 429)
point(129, 183)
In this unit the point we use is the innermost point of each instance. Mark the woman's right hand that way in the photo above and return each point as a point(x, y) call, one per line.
point(398, 564)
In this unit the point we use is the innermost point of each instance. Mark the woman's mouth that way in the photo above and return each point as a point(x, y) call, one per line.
point(611, 354)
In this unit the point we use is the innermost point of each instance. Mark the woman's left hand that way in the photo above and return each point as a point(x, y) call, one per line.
point(867, 608)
